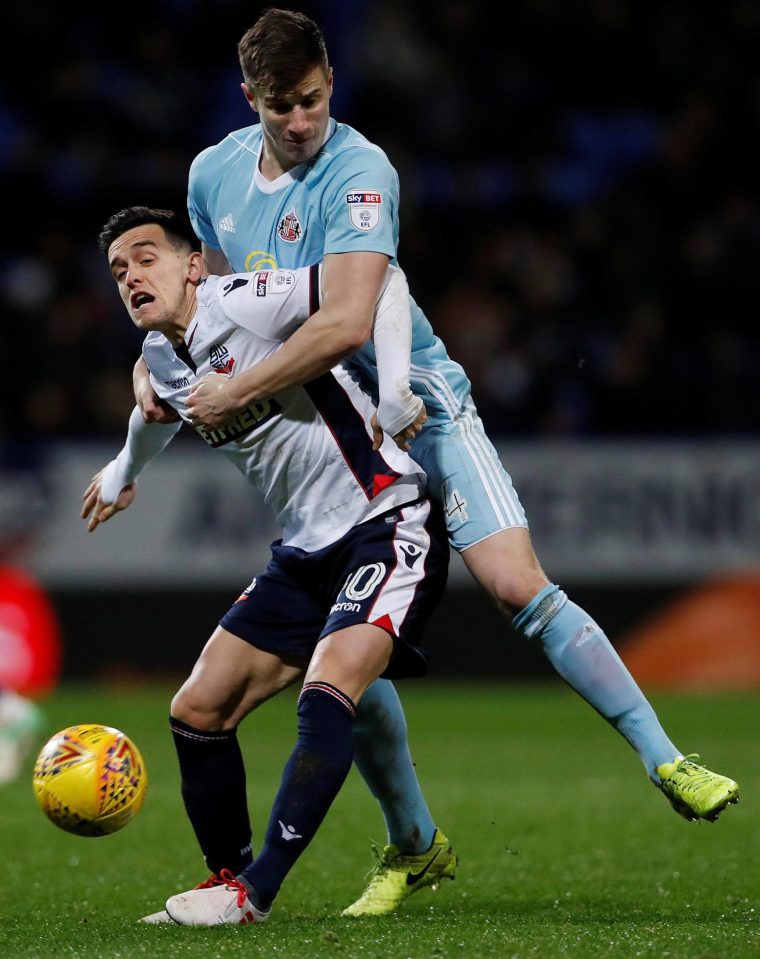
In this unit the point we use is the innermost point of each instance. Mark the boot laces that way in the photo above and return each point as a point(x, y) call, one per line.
point(213, 880)
point(696, 774)
point(232, 882)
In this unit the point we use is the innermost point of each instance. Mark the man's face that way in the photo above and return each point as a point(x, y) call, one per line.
point(155, 280)
point(294, 123)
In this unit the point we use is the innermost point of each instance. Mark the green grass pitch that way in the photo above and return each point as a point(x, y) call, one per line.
point(566, 849)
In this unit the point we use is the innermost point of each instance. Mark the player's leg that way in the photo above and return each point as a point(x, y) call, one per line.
point(381, 754)
point(230, 679)
point(365, 580)
point(343, 666)
point(575, 645)
point(488, 526)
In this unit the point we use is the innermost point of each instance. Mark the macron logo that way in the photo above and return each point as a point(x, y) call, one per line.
point(288, 832)
point(227, 224)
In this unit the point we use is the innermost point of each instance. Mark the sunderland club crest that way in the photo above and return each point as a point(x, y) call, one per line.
point(290, 227)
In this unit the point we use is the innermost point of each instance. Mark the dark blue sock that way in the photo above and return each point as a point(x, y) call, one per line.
point(311, 780)
point(213, 789)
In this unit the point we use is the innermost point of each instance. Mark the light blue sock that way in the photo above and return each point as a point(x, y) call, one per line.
point(583, 656)
point(381, 754)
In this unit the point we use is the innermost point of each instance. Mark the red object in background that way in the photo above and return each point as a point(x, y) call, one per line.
point(30, 639)
point(706, 639)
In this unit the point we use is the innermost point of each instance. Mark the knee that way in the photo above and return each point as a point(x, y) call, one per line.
point(512, 590)
point(191, 709)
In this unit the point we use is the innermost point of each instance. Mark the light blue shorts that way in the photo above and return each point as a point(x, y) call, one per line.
point(466, 476)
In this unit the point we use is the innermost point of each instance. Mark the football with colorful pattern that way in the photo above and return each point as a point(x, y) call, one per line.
point(90, 780)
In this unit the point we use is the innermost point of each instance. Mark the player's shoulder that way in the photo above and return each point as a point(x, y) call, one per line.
point(347, 147)
point(245, 141)
point(227, 297)
point(155, 339)
point(155, 346)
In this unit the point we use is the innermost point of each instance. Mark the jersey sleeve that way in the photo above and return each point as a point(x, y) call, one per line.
point(270, 303)
point(144, 442)
point(361, 206)
point(198, 191)
point(397, 406)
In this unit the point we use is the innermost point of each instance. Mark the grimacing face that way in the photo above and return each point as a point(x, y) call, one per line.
point(294, 123)
point(156, 282)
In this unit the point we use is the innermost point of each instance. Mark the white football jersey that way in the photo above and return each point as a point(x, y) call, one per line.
point(308, 449)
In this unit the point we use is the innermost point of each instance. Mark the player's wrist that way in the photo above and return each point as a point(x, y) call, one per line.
point(240, 394)
point(398, 413)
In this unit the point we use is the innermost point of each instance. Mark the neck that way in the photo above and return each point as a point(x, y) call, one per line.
point(270, 166)
point(174, 330)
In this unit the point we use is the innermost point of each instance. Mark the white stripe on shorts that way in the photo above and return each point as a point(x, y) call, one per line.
point(398, 592)
point(438, 387)
point(500, 493)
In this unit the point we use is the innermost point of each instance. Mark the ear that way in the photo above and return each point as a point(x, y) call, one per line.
point(329, 82)
point(195, 267)
point(250, 97)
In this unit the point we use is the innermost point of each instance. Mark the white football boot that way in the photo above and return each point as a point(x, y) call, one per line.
point(221, 905)
point(158, 917)
point(164, 917)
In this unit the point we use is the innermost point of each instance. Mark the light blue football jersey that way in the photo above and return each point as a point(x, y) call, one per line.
point(345, 199)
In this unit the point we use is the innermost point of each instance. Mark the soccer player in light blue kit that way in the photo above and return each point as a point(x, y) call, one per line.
point(299, 187)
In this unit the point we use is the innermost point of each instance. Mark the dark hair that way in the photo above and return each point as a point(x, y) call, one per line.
point(176, 227)
point(280, 49)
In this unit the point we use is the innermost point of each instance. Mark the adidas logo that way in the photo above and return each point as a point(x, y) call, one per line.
point(227, 224)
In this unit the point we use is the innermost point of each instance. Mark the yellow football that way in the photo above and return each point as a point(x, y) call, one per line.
point(90, 780)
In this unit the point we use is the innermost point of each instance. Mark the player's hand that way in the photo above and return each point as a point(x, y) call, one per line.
point(402, 439)
point(211, 401)
point(94, 507)
point(377, 433)
point(153, 409)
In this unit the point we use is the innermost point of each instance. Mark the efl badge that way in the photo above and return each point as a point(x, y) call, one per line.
point(274, 281)
point(280, 281)
point(290, 227)
point(364, 210)
point(220, 359)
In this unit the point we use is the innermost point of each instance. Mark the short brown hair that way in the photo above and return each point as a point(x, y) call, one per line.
point(280, 49)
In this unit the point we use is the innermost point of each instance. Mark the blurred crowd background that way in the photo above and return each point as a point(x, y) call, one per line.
point(580, 216)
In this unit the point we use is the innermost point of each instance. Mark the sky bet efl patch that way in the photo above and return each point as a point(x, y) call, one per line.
point(364, 210)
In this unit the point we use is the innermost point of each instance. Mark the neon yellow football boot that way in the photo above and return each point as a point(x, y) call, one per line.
point(395, 877)
point(695, 792)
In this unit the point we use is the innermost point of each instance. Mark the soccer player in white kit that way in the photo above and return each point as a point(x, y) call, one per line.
point(298, 187)
point(362, 560)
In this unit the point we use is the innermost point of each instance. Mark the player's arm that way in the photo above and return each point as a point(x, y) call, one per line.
point(114, 488)
point(351, 283)
point(400, 413)
point(152, 407)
